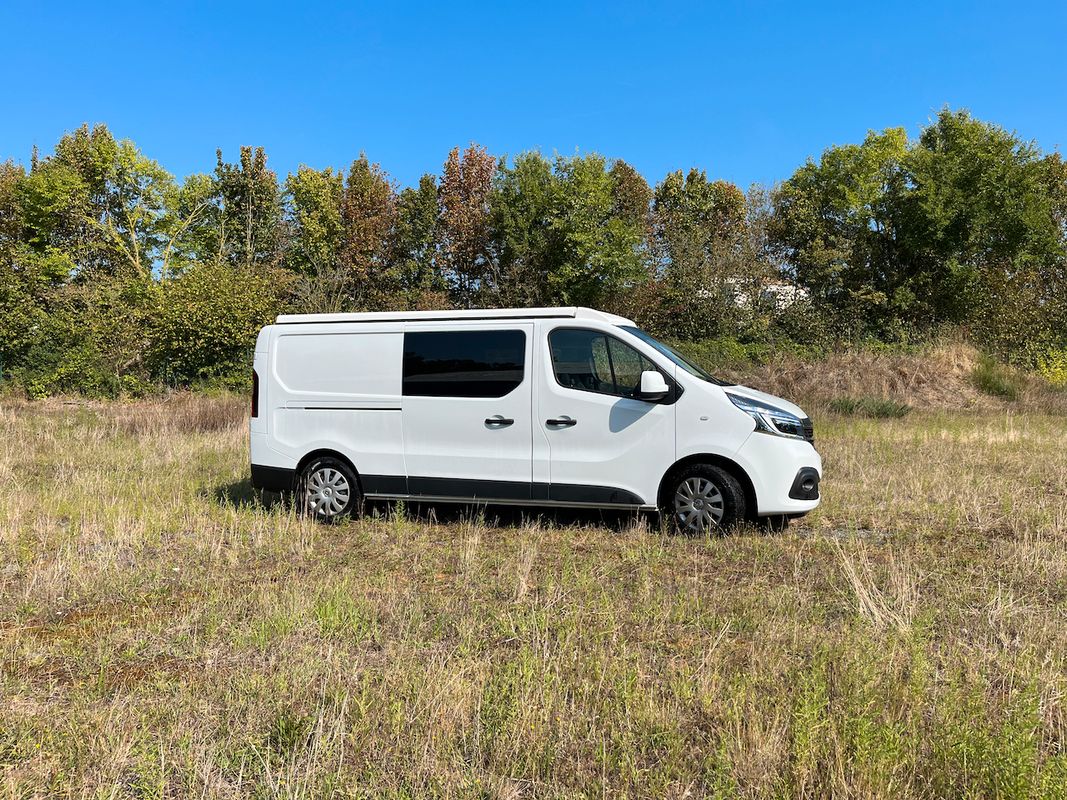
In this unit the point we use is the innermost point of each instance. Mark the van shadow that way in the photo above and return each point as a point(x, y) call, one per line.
point(242, 494)
point(507, 516)
point(625, 413)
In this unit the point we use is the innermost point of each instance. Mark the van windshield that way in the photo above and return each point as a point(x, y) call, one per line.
point(675, 356)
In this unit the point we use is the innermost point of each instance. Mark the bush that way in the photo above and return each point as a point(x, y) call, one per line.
point(996, 379)
point(873, 407)
point(91, 341)
point(207, 321)
point(722, 353)
point(1052, 365)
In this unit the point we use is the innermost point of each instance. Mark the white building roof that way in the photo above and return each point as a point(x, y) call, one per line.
point(574, 312)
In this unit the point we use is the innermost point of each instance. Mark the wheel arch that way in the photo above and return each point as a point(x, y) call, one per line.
point(722, 462)
point(325, 452)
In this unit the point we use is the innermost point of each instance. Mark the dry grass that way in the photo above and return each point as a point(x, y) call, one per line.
point(940, 377)
point(164, 634)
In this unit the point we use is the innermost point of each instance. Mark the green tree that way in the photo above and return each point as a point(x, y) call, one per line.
point(342, 238)
point(94, 218)
point(527, 245)
point(702, 250)
point(250, 210)
point(961, 225)
point(983, 230)
point(101, 205)
point(568, 231)
point(91, 156)
point(694, 220)
point(838, 226)
point(136, 221)
point(420, 282)
point(21, 308)
point(192, 224)
point(632, 196)
point(315, 218)
point(602, 253)
point(54, 211)
point(12, 176)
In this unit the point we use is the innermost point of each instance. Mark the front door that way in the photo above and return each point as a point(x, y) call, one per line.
point(467, 410)
point(602, 444)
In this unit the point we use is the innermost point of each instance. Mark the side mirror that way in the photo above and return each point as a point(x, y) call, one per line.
point(653, 387)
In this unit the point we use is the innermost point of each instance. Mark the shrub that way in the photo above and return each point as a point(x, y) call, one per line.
point(90, 342)
point(1052, 365)
point(996, 379)
point(873, 407)
point(722, 353)
point(207, 321)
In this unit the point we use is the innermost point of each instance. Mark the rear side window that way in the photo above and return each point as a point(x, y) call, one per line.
point(463, 363)
point(594, 362)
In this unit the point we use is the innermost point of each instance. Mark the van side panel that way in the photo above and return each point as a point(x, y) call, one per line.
point(339, 366)
point(339, 390)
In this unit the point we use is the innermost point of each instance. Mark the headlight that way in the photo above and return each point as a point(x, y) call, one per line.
point(770, 419)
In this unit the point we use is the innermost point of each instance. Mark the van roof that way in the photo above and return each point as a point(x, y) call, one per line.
point(573, 312)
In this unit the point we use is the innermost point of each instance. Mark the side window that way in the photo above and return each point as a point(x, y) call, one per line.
point(628, 365)
point(463, 363)
point(595, 362)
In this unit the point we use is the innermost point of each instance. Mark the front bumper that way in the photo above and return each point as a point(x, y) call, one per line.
point(785, 473)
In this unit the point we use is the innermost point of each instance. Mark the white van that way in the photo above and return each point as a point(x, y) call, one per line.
point(534, 407)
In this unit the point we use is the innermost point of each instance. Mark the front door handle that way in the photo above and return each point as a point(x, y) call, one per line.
point(561, 422)
point(499, 422)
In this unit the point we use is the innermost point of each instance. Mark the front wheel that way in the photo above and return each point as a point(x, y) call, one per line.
point(328, 490)
point(704, 499)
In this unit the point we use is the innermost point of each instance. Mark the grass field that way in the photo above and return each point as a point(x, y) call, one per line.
point(165, 634)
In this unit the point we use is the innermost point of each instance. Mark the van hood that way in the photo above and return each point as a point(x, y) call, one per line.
point(763, 397)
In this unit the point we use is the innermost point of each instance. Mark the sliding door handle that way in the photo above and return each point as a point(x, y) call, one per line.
point(561, 422)
point(499, 422)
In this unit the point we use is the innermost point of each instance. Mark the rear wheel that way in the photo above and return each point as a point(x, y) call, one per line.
point(329, 490)
point(704, 499)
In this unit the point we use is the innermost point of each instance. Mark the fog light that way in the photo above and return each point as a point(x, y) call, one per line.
point(805, 485)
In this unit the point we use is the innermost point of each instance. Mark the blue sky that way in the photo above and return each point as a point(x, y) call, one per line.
point(746, 91)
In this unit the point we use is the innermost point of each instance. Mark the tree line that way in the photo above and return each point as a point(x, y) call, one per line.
point(116, 278)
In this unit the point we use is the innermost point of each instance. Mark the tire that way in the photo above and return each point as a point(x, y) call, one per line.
point(328, 490)
point(777, 523)
point(702, 498)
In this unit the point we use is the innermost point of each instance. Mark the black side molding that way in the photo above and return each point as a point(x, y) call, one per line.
point(384, 484)
point(469, 488)
point(273, 479)
point(599, 495)
point(465, 489)
point(280, 479)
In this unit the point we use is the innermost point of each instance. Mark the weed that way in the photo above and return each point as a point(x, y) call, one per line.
point(874, 407)
point(996, 379)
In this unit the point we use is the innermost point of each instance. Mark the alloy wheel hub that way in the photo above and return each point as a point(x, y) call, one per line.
point(698, 505)
point(328, 492)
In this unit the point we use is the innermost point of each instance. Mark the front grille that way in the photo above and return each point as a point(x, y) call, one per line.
point(808, 429)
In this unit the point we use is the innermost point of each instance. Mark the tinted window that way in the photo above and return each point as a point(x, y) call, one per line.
point(594, 362)
point(463, 363)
